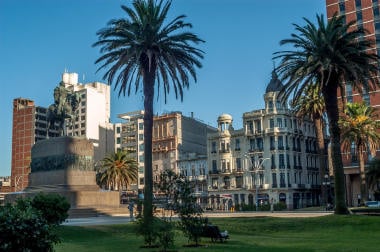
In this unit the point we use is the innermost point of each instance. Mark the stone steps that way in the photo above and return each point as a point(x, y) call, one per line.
point(94, 212)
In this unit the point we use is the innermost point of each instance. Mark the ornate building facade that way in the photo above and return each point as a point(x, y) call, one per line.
point(272, 159)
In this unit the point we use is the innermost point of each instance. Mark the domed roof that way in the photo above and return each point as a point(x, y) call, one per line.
point(225, 117)
point(275, 84)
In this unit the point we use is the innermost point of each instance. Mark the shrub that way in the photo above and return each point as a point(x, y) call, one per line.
point(22, 228)
point(53, 207)
point(165, 233)
point(279, 206)
point(148, 230)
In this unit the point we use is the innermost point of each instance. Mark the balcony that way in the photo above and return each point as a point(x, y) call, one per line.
point(224, 151)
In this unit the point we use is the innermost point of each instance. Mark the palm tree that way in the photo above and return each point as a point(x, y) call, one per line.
point(329, 54)
point(359, 128)
point(118, 170)
point(373, 175)
point(141, 51)
point(312, 105)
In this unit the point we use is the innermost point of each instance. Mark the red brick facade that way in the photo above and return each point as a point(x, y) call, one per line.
point(22, 141)
point(363, 13)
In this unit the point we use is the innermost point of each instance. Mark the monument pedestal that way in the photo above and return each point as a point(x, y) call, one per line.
point(64, 165)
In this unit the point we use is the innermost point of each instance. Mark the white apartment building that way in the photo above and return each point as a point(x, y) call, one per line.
point(93, 119)
point(271, 160)
point(129, 136)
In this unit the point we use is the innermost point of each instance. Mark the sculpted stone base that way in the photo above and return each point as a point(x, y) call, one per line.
point(64, 165)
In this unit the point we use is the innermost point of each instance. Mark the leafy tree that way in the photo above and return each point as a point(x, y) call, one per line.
point(373, 176)
point(330, 54)
point(359, 128)
point(141, 51)
point(25, 228)
point(118, 170)
point(311, 104)
point(189, 212)
point(167, 185)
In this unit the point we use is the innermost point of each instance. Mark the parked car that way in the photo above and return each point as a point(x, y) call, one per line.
point(372, 203)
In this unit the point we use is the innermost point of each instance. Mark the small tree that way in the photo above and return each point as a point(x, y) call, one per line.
point(24, 228)
point(189, 211)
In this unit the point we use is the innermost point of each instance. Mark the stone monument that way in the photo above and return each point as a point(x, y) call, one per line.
point(64, 164)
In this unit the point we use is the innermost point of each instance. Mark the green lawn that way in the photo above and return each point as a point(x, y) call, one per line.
point(329, 233)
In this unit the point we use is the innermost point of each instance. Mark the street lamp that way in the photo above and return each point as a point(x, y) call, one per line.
point(326, 184)
point(257, 166)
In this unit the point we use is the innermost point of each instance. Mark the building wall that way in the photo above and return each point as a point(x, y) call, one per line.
point(22, 141)
point(366, 13)
point(257, 164)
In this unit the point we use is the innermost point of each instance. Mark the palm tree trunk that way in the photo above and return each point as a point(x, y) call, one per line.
point(322, 155)
point(363, 188)
point(148, 130)
point(331, 101)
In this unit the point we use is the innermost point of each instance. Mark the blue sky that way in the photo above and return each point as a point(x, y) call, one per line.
point(39, 39)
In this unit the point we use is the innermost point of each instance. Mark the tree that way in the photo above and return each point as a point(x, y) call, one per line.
point(141, 51)
point(312, 105)
point(373, 175)
point(359, 128)
point(118, 170)
point(331, 55)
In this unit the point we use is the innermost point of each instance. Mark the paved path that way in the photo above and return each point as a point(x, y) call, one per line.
point(107, 220)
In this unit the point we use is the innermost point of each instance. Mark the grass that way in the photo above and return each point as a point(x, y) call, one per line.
point(319, 234)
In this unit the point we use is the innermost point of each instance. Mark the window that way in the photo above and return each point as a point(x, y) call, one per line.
point(239, 181)
point(252, 144)
point(273, 162)
point(141, 169)
point(285, 123)
point(272, 143)
point(260, 143)
point(274, 179)
point(366, 96)
point(278, 104)
point(141, 147)
point(214, 166)
point(271, 123)
point(215, 183)
point(237, 144)
point(141, 137)
point(227, 182)
point(258, 126)
point(238, 164)
point(349, 92)
point(342, 8)
point(270, 105)
point(118, 130)
point(118, 140)
point(282, 179)
point(281, 161)
point(280, 142)
point(141, 126)
point(141, 158)
point(213, 147)
point(250, 126)
point(279, 122)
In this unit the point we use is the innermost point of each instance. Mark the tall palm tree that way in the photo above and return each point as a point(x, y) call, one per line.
point(141, 51)
point(118, 170)
point(329, 54)
point(359, 128)
point(312, 105)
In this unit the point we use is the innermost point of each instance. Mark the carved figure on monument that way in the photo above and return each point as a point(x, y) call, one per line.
point(64, 109)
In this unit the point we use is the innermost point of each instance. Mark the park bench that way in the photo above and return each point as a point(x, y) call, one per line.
point(214, 233)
